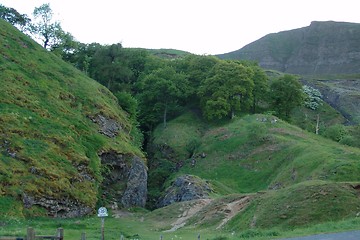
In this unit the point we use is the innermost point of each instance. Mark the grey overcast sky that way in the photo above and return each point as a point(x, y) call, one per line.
point(197, 26)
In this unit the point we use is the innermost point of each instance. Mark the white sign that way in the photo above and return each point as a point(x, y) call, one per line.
point(102, 212)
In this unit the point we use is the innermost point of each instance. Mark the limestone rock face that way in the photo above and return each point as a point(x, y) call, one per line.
point(108, 127)
point(125, 179)
point(136, 187)
point(185, 188)
point(63, 208)
point(321, 48)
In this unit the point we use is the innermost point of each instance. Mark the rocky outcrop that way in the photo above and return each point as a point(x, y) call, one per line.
point(321, 48)
point(185, 188)
point(125, 179)
point(63, 208)
point(108, 127)
point(136, 187)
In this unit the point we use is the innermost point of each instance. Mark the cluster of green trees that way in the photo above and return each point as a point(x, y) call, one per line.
point(153, 89)
point(41, 27)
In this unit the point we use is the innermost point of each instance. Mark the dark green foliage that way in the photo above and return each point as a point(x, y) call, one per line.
point(14, 17)
point(161, 92)
point(228, 89)
point(261, 88)
point(108, 68)
point(336, 132)
point(128, 103)
point(285, 94)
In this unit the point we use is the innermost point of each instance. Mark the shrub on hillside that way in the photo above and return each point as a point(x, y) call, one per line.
point(312, 97)
point(336, 132)
point(257, 133)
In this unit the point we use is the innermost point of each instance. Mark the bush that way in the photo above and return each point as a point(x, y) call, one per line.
point(257, 133)
point(336, 132)
point(350, 141)
point(313, 97)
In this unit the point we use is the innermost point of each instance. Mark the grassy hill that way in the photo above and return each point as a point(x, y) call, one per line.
point(292, 177)
point(50, 135)
point(168, 53)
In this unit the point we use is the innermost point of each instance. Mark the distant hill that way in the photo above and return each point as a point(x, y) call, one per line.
point(321, 48)
point(64, 140)
point(168, 53)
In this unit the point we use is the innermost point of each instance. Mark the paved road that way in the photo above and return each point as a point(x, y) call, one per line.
point(353, 235)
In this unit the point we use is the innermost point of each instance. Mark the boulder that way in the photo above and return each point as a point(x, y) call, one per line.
point(185, 188)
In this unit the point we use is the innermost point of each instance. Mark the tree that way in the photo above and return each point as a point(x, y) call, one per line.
point(44, 28)
point(198, 68)
point(65, 45)
point(82, 56)
point(12, 16)
point(261, 87)
point(285, 94)
point(162, 90)
point(128, 103)
point(229, 89)
point(108, 66)
point(312, 97)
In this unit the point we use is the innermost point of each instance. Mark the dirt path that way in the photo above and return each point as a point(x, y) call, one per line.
point(188, 213)
point(231, 209)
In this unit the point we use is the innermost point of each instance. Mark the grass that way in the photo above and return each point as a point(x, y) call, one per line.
point(254, 154)
point(45, 126)
point(138, 226)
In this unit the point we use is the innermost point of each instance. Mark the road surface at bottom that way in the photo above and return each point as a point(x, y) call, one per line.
point(352, 235)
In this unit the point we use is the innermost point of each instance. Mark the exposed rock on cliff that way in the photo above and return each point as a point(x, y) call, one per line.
point(63, 208)
point(108, 127)
point(185, 188)
point(136, 187)
point(125, 179)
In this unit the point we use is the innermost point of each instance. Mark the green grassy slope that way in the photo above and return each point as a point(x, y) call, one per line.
point(296, 171)
point(168, 53)
point(48, 144)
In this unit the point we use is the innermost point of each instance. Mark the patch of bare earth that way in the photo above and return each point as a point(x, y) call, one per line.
point(120, 213)
point(233, 208)
point(230, 210)
point(188, 213)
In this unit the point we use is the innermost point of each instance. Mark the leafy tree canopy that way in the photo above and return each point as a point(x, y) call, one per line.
point(162, 90)
point(12, 16)
point(286, 94)
point(229, 89)
point(43, 27)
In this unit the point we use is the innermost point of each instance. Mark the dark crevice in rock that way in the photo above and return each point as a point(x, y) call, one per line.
point(125, 179)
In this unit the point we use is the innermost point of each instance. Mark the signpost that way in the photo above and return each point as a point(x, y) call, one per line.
point(102, 213)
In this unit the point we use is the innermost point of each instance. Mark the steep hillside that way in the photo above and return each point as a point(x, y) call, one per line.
point(340, 92)
point(63, 137)
point(256, 171)
point(321, 48)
